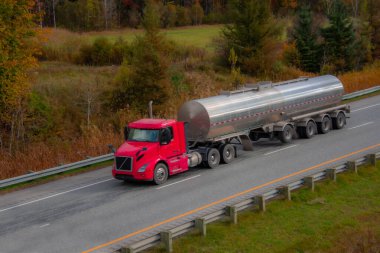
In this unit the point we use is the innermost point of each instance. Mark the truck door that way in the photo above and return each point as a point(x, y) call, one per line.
point(170, 149)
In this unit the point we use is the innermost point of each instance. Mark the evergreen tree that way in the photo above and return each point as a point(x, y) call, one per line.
point(374, 22)
point(339, 40)
point(144, 76)
point(364, 31)
point(306, 42)
point(252, 29)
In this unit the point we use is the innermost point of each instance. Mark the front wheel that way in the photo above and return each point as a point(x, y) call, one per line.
point(160, 173)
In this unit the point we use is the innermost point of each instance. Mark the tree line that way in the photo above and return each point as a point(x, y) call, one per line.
point(260, 38)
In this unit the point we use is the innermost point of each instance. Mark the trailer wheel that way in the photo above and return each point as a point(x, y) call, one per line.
point(339, 121)
point(160, 173)
point(213, 158)
point(324, 126)
point(227, 152)
point(254, 136)
point(286, 135)
point(308, 131)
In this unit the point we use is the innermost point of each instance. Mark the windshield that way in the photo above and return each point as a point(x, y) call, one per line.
point(148, 135)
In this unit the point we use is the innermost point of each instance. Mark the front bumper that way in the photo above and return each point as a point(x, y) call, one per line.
point(122, 175)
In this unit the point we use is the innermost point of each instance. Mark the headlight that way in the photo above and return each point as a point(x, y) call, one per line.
point(142, 169)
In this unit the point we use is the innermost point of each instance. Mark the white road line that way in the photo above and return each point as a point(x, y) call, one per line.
point(54, 195)
point(278, 150)
point(368, 123)
point(363, 108)
point(44, 225)
point(161, 187)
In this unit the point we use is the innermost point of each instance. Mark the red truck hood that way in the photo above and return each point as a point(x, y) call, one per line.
point(132, 148)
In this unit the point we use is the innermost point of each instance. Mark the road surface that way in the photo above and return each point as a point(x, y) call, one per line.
point(89, 211)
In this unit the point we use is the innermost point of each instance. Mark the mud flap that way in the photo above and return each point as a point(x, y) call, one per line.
point(246, 142)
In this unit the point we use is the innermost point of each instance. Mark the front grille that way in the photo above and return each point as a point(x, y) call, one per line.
point(124, 163)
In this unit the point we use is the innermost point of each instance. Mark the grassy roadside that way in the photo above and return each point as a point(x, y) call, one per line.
point(338, 217)
point(50, 178)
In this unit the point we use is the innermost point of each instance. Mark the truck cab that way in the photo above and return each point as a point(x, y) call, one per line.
point(153, 150)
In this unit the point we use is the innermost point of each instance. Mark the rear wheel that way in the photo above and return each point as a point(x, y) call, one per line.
point(308, 131)
point(160, 173)
point(254, 136)
point(227, 152)
point(339, 121)
point(325, 125)
point(286, 135)
point(213, 158)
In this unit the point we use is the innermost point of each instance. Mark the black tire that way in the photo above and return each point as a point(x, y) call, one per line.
point(310, 130)
point(340, 121)
point(213, 158)
point(301, 132)
point(254, 136)
point(307, 132)
point(286, 135)
point(324, 126)
point(160, 173)
point(227, 152)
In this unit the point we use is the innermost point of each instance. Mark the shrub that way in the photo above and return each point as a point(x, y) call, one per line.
point(102, 52)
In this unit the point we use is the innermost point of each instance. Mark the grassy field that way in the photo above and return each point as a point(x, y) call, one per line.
point(199, 36)
point(338, 217)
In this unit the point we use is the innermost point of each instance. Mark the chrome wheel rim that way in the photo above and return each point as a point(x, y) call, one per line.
point(160, 174)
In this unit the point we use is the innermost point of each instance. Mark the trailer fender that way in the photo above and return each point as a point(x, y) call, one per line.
point(334, 114)
point(319, 118)
point(279, 126)
point(304, 122)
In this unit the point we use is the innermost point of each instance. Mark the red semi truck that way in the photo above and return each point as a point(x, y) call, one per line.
point(155, 149)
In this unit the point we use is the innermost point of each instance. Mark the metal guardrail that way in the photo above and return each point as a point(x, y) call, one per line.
point(361, 92)
point(55, 170)
point(94, 160)
point(230, 211)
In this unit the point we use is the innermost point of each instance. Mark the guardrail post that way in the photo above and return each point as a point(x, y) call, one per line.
point(127, 250)
point(351, 165)
point(372, 159)
point(200, 224)
point(232, 213)
point(167, 239)
point(309, 182)
point(331, 174)
point(261, 201)
point(286, 192)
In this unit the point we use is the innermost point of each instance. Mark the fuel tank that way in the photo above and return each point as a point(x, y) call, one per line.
point(256, 105)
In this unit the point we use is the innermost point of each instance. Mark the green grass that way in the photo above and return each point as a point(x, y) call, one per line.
point(199, 36)
point(337, 217)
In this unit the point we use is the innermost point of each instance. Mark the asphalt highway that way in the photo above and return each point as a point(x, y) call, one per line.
point(92, 211)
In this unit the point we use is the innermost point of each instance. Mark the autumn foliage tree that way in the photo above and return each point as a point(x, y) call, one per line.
point(17, 23)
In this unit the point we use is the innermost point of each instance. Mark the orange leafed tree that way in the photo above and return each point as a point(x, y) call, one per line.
point(17, 50)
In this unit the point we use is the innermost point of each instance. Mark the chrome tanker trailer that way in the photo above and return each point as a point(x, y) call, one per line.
point(206, 128)
point(300, 107)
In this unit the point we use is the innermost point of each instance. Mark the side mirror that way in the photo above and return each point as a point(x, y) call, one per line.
point(166, 136)
point(126, 133)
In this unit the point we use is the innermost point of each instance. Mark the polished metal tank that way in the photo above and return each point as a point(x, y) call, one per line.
point(255, 106)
